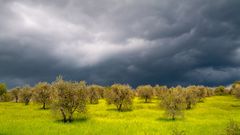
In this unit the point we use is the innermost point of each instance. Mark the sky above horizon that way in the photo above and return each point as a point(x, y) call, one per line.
point(166, 42)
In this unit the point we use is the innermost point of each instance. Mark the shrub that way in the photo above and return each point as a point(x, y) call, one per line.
point(43, 94)
point(173, 102)
point(121, 96)
point(233, 128)
point(71, 97)
point(145, 92)
point(177, 131)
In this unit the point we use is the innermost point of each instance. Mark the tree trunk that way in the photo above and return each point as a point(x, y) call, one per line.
point(27, 102)
point(189, 106)
point(173, 117)
point(146, 99)
point(120, 107)
point(64, 116)
point(91, 102)
point(70, 119)
point(44, 106)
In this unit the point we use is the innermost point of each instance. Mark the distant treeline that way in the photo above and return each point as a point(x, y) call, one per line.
point(69, 99)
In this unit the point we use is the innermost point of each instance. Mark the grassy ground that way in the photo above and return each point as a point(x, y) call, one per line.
point(208, 118)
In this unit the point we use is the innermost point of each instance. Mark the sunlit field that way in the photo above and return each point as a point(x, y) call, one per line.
point(207, 118)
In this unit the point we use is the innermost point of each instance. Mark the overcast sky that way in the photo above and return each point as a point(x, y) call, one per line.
point(166, 42)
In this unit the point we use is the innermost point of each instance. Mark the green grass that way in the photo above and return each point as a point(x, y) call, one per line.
point(208, 118)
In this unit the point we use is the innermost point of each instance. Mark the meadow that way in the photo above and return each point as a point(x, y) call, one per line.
point(207, 118)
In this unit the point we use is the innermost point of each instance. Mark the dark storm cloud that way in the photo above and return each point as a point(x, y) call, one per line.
point(131, 41)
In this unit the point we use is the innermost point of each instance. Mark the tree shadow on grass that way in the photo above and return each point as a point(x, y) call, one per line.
point(167, 119)
point(116, 110)
point(234, 105)
point(43, 109)
point(76, 120)
point(79, 120)
point(143, 102)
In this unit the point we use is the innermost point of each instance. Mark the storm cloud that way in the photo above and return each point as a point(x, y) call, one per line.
point(166, 42)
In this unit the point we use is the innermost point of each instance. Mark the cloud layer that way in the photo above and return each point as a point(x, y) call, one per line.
point(130, 41)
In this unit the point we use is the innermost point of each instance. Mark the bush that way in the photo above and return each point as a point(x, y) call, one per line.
point(173, 102)
point(233, 128)
point(145, 92)
point(43, 94)
point(71, 98)
point(177, 131)
point(26, 94)
point(121, 96)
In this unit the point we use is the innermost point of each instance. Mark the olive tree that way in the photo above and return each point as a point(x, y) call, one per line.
point(107, 94)
point(173, 102)
point(26, 94)
point(190, 97)
point(209, 92)
point(236, 89)
point(121, 96)
point(6, 97)
point(94, 93)
point(43, 94)
point(236, 92)
point(71, 98)
point(145, 92)
point(100, 90)
point(3, 88)
point(200, 91)
point(160, 90)
point(220, 91)
point(15, 92)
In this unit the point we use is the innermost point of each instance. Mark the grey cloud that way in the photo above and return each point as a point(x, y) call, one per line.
point(131, 41)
